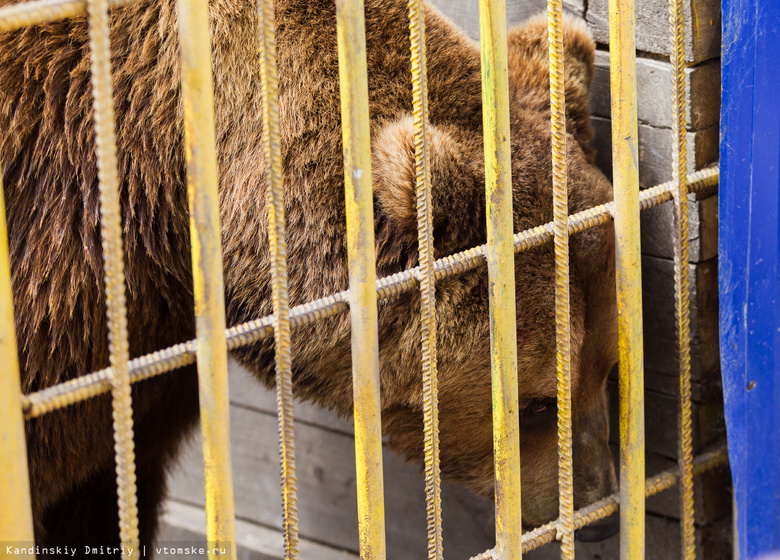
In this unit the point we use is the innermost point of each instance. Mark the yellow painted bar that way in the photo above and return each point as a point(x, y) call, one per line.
point(274, 191)
point(681, 277)
point(607, 506)
point(427, 279)
point(561, 242)
point(501, 274)
point(625, 154)
point(114, 275)
point(16, 523)
point(198, 97)
point(353, 78)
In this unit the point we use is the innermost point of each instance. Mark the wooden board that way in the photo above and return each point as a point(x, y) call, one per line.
point(245, 391)
point(659, 318)
point(657, 230)
point(184, 525)
point(661, 422)
point(662, 537)
point(654, 99)
point(702, 27)
point(670, 385)
point(326, 518)
point(655, 150)
point(326, 489)
point(712, 499)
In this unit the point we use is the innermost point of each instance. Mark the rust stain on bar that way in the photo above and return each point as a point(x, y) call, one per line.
point(353, 78)
point(499, 255)
point(629, 279)
point(209, 290)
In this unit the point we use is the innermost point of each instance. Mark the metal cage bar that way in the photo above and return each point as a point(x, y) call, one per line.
point(625, 153)
point(16, 522)
point(681, 276)
point(501, 276)
point(150, 365)
point(561, 243)
point(25, 14)
point(114, 275)
point(427, 281)
point(279, 292)
point(605, 507)
point(353, 78)
point(196, 84)
point(209, 291)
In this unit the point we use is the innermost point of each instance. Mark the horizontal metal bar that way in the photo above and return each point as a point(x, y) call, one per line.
point(26, 14)
point(81, 388)
point(610, 505)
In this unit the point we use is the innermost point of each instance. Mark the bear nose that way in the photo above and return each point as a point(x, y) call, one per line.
point(599, 531)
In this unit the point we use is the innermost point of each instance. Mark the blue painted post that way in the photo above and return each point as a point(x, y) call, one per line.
point(749, 266)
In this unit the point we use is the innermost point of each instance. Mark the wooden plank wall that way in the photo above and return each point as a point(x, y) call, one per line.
point(328, 516)
point(326, 481)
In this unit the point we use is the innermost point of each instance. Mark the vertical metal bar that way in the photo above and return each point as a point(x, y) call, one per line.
point(625, 155)
point(427, 283)
point(353, 77)
point(561, 242)
point(16, 514)
point(198, 98)
point(276, 233)
point(681, 279)
point(113, 269)
point(501, 274)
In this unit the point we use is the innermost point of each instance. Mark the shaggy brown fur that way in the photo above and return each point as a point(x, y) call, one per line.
point(47, 153)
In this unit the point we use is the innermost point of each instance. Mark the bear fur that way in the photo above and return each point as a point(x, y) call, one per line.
point(50, 180)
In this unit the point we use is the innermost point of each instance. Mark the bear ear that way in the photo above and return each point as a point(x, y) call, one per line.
point(395, 206)
point(529, 77)
point(395, 195)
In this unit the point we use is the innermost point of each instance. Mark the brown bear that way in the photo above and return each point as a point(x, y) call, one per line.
point(49, 175)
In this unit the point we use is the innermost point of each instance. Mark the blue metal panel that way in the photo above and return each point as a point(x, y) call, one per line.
point(749, 265)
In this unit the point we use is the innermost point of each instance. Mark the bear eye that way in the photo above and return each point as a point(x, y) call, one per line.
point(538, 413)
